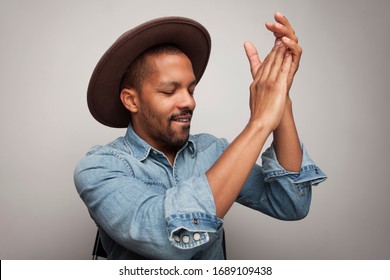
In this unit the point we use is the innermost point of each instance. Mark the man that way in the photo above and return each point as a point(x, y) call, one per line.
point(162, 193)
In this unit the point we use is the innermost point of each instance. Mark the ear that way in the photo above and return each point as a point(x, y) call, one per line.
point(129, 99)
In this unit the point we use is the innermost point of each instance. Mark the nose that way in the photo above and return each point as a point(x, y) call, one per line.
point(186, 100)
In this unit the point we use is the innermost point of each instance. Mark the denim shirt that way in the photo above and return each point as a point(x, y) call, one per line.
point(142, 203)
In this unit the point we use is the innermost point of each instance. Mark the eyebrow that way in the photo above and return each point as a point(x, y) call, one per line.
point(173, 83)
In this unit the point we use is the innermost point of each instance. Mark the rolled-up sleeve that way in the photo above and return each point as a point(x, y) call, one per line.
point(190, 213)
point(147, 217)
point(278, 192)
point(310, 174)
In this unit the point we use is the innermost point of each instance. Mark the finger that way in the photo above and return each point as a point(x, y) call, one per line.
point(264, 65)
point(279, 17)
point(278, 60)
point(282, 27)
point(280, 31)
point(294, 48)
point(253, 58)
point(284, 71)
point(267, 64)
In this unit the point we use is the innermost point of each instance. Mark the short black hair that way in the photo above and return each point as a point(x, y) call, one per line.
point(138, 70)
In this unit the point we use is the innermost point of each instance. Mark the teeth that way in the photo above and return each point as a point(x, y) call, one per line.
point(182, 120)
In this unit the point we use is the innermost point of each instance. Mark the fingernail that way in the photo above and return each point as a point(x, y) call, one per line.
point(278, 42)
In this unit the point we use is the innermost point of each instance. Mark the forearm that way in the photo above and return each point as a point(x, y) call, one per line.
point(286, 141)
point(268, 93)
point(228, 175)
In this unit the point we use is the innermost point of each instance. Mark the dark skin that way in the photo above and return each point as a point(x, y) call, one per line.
point(286, 141)
point(154, 110)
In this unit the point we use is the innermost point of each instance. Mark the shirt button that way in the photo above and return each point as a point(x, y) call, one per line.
point(186, 239)
point(195, 221)
point(196, 236)
point(176, 238)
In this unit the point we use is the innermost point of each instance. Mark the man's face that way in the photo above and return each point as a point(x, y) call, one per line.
point(166, 102)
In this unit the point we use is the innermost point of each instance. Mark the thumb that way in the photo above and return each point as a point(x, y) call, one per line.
point(253, 57)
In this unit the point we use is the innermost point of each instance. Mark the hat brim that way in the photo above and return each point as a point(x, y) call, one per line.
point(104, 87)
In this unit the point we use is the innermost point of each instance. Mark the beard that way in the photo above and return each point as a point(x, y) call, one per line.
point(177, 139)
point(167, 133)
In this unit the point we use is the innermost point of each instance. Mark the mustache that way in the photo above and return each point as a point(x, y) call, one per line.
point(182, 113)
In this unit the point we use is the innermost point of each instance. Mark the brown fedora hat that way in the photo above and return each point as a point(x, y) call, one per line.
point(104, 87)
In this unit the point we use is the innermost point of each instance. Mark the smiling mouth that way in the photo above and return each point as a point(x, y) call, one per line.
point(184, 120)
point(183, 117)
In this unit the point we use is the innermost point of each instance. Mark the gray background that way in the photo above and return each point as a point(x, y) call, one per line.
point(48, 50)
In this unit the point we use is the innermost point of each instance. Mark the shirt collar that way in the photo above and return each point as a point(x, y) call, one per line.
point(140, 149)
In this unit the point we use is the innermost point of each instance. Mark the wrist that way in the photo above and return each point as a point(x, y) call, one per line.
point(288, 102)
point(257, 127)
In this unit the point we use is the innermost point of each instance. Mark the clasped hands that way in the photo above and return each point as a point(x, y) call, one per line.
point(272, 78)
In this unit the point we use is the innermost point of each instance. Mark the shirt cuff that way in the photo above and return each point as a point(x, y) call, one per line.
point(190, 213)
point(310, 173)
point(191, 230)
